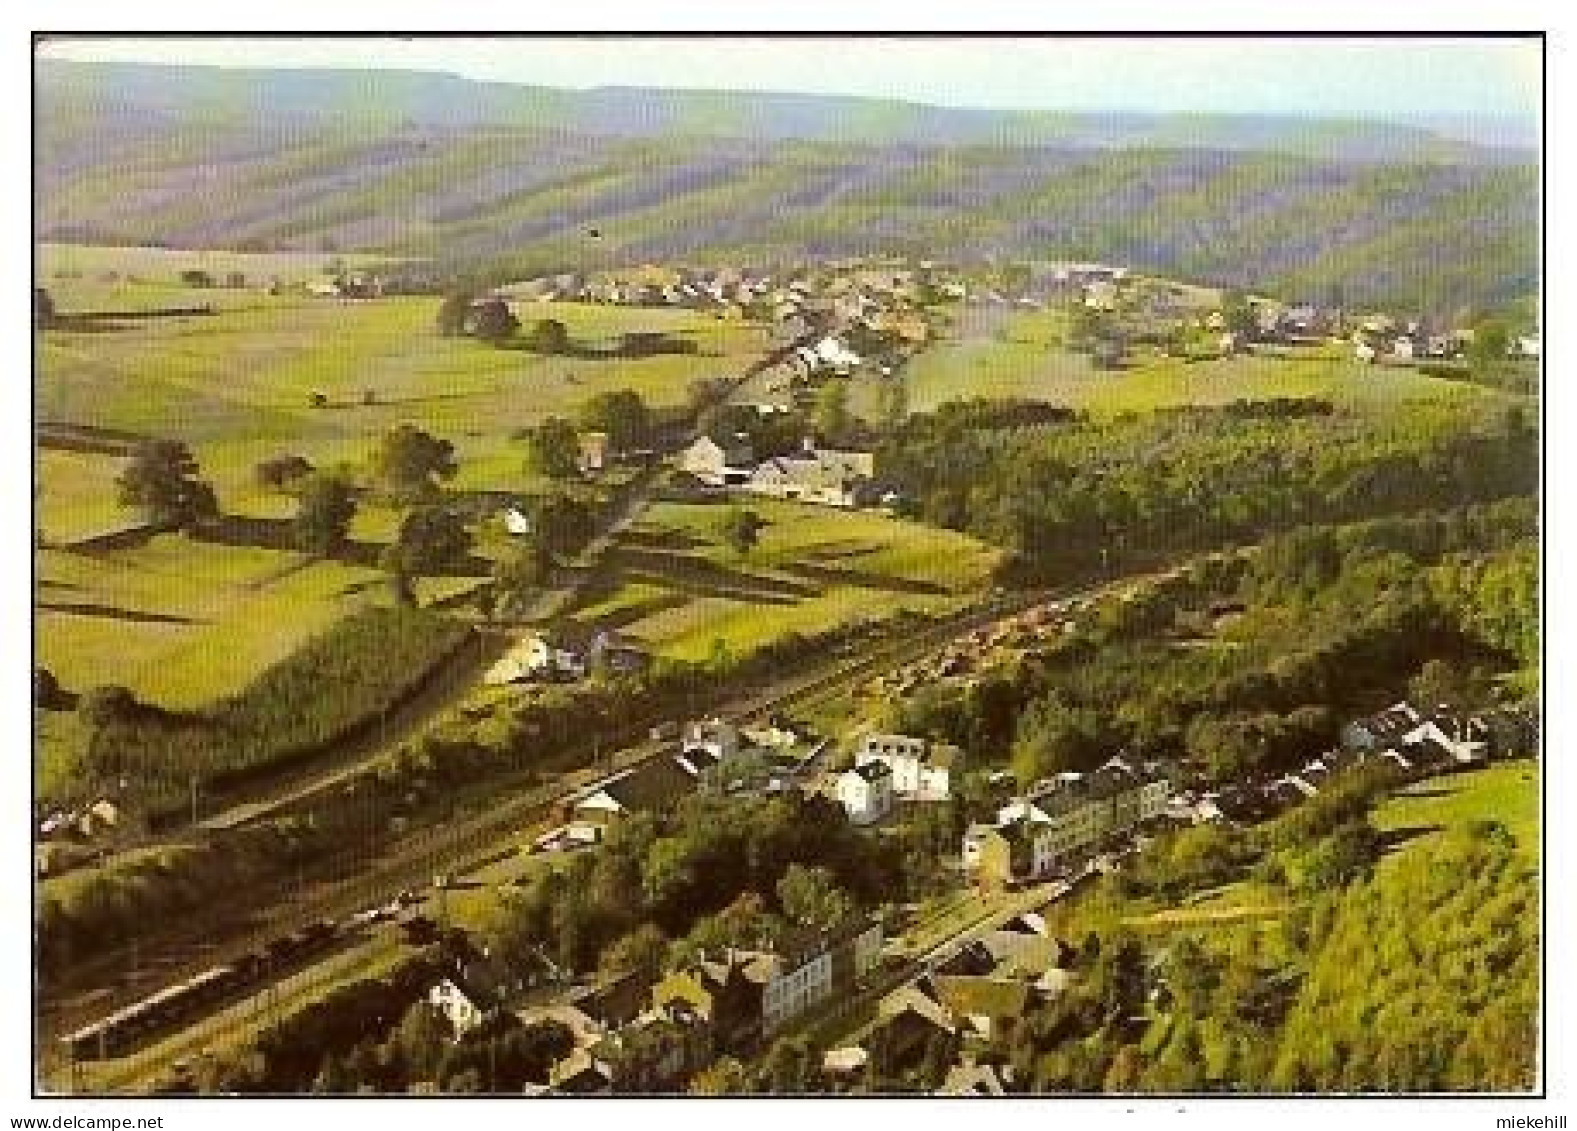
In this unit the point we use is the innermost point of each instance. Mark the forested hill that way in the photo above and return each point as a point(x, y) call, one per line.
point(434, 165)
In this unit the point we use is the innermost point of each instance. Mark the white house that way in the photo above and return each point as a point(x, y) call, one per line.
point(1365, 353)
point(808, 969)
point(1404, 347)
point(920, 772)
point(473, 990)
point(716, 737)
point(517, 522)
point(866, 792)
point(833, 354)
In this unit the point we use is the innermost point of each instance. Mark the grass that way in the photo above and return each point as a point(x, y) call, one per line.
point(672, 583)
point(180, 622)
point(237, 387)
point(1022, 357)
point(1507, 792)
point(76, 495)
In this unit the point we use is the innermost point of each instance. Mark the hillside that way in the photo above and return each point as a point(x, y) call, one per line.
point(436, 166)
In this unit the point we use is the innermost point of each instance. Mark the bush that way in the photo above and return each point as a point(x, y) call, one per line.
point(106, 705)
point(365, 665)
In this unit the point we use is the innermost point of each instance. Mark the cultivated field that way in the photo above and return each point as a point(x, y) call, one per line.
point(671, 582)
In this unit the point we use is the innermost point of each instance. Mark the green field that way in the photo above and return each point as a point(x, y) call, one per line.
point(1021, 356)
point(181, 622)
point(84, 277)
point(672, 583)
point(238, 386)
point(1506, 792)
point(76, 495)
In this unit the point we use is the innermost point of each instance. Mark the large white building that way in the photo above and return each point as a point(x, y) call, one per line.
point(866, 792)
point(805, 972)
point(921, 771)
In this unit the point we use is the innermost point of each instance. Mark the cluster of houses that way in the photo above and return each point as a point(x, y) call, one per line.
point(635, 1035)
point(828, 476)
point(566, 652)
point(971, 998)
point(842, 289)
point(632, 1038)
point(1380, 336)
point(353, 284)
point(1415, 743)
point(1064, 820)
point(85, 822)
point(708, 755)
point(889, 768)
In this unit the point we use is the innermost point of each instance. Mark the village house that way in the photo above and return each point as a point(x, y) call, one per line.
point(715, 736)
point(97, 816)
point(746, 995)
point(567, 651)
point(907, 1020)
point(516, 522)
point(972, 1079)
point(649, 787)
point(985, 1005)
point(818, 475)
point(1406, 736)
point(921, 772)
point(717, 994)
point(866, 792)
point(1065, 819)
point(474, 988)
point(807, 968)
point(592, 454)
point(718, 462)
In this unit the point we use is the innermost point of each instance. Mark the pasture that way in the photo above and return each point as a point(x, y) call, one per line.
point(1021, 355)
point(671, 582)
point(180, 622)
point(87, 277)
point(1506, 792)
point(239, 386)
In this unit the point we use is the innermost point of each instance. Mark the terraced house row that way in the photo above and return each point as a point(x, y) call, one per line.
point(1062, 819)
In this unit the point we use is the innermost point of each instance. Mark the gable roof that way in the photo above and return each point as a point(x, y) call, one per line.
point(982, 995)
point(910, 998)
point(972, 1080)
point(647, 786)
point(486, 982)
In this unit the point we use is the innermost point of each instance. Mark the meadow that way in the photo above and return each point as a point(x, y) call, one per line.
point(1506, 792)
point(184, 622)
point(671, 582)
point(238, 388)
point(1023, 357)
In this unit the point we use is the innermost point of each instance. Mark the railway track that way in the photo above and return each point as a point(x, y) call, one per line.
point(348, 884)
